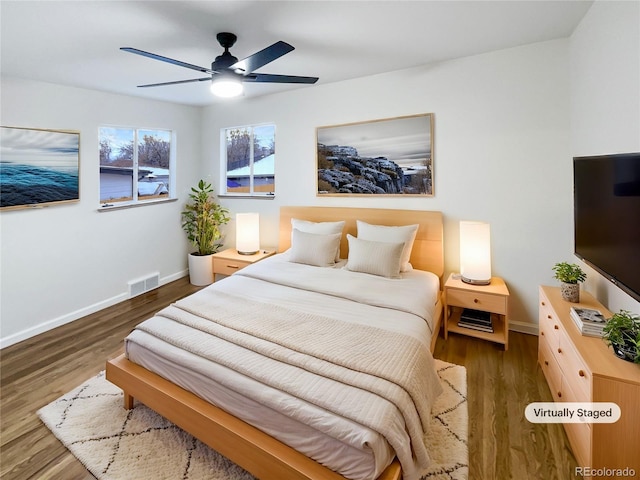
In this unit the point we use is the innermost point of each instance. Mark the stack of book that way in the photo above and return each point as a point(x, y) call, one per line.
point(476, 320)
point(590, 322)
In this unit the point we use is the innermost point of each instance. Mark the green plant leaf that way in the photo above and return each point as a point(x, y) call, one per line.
point(202, 218)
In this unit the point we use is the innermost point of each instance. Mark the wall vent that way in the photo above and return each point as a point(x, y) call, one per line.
point(142, 285)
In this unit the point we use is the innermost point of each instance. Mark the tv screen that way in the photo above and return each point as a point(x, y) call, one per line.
point(607, 217)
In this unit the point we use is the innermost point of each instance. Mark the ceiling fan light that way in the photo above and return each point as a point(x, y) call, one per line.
point(226, 87)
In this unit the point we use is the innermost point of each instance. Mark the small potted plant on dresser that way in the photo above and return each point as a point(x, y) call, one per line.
point(570, 276)
point(622, 332)
point(201, 220)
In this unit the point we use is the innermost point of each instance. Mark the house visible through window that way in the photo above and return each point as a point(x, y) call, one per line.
point(250, 154)
point(135, 164)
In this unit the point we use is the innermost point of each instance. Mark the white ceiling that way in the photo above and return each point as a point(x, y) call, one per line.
point(77, 42)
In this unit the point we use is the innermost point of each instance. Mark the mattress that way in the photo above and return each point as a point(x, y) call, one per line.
point(356, 451)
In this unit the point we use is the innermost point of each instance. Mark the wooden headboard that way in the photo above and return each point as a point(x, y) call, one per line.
point(427, 253)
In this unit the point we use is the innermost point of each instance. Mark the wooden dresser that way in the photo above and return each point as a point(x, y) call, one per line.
point(583, 369)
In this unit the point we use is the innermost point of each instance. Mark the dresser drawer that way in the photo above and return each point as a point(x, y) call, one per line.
point(579, 433)
point(548, 323)
point(580, 439)
point(227, 267)
point(549, 327)
point(477, 300)
point(575, 372)
point(551, 369)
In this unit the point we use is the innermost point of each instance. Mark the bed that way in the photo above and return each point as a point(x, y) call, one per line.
point(263, 416)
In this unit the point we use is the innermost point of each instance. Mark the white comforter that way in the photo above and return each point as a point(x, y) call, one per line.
point(278, 289)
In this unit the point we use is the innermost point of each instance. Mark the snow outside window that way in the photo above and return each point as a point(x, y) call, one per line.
point(249, 155)
point(136, 165)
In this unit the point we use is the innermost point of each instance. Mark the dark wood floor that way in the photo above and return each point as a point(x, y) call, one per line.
point(502, 444)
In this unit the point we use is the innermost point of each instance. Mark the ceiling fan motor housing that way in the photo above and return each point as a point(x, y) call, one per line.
point(225, 60)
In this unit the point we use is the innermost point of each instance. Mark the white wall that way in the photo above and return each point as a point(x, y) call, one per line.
point(506, 126)
point(605, 102)
point(501, 153)
point(62, 262)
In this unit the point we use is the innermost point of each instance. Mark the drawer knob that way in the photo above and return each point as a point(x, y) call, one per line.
point(546, 362)
point(559, 394)
point(233, 266)
point(581, 373)
point(559, 350)
point(475, 300)
point(541, 332)
point(555, 327)
point(543, 304)
point(549, 317)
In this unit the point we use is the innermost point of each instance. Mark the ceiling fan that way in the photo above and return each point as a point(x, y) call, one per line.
point(227, 73)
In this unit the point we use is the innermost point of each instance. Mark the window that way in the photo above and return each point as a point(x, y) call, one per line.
point(131, 175)
point(249, 154)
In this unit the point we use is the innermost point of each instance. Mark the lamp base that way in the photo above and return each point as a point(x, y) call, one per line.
point(247, 253)
point(472, 281)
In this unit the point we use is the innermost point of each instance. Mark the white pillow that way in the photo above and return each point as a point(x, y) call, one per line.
point(323, 228)
point(376, 258)
point(314, 249)
point(382, 233)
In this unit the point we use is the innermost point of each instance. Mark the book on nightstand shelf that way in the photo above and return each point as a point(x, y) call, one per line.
point(590, 322)
point(476, 320)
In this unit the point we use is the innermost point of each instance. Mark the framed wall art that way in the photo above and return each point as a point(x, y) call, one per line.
point(38, 167)
point(392, 156)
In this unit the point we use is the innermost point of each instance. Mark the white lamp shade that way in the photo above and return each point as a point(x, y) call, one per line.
point(247, 233)
point(475, 252)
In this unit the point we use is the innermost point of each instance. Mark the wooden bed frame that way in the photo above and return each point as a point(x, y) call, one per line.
point(255, 451)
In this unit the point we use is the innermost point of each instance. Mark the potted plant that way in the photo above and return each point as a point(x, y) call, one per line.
point(622, 332)
point(201, 220)
point(570, 276)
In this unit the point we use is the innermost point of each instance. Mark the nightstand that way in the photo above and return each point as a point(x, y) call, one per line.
point(492, 298)
point(230, 261)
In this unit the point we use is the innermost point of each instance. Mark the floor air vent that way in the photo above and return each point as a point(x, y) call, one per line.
point(142, 285)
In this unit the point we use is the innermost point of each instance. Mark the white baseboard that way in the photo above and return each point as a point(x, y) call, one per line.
point(83, 312)
point(524, 327)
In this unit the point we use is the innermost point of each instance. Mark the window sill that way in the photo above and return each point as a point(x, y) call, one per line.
point(240, 195)
point(108, 207)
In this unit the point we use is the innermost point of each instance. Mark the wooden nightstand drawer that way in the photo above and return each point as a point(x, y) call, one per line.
point(477, 300)
point(227, 267)
point(229, 261)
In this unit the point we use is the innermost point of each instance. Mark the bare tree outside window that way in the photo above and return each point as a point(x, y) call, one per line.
point(135, 164)
point(250, 160)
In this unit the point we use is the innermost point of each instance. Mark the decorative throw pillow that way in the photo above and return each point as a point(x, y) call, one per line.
point(376, 258)
point(319, 228)
point(382, 233)
point(314, 249)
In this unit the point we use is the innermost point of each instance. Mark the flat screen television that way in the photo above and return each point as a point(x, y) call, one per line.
point(607, 217)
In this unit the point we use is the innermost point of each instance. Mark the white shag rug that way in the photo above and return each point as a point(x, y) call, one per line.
point(138, 444)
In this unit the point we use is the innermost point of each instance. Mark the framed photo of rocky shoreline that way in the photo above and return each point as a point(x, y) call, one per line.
point(392, 156)
point(38, 167)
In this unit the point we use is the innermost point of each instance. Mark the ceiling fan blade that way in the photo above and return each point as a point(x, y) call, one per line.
point(167, 60)
point(174, 83)
point(268, 78)
point(261, 58)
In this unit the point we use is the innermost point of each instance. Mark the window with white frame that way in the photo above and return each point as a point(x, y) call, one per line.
point(249, 154)
point(136, 165)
